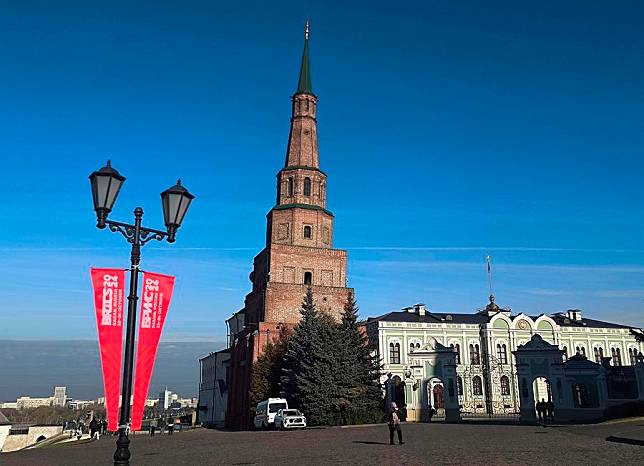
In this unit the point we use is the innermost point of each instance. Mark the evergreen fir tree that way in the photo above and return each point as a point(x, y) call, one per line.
point(358, 371)
point(308, 373)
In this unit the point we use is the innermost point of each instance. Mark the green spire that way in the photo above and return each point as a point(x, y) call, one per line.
point(304, 85)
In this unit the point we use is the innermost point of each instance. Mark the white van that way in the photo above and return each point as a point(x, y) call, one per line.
point(266, 411)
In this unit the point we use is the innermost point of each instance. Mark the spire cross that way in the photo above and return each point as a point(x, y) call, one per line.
point(306, 30)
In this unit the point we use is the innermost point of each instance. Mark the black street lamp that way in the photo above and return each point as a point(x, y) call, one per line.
point(106, 184)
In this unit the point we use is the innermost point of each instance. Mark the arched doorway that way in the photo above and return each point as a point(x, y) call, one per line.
point(439, 402)
point(436, 396)
point(41, 438)
point(542, 391)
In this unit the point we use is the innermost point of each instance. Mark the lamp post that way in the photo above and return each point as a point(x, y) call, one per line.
point(106, 184)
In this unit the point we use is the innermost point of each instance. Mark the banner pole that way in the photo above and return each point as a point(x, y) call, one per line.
point(122, 453)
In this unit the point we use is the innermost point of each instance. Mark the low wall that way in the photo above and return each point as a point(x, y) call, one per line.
point(4, 431)
point(45, 431)
point(15, 442)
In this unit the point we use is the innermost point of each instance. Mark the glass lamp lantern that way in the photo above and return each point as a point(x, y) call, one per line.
point(106, 184)
point(175, 201)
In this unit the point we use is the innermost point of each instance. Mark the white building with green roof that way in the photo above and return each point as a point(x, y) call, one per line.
point(482, 346)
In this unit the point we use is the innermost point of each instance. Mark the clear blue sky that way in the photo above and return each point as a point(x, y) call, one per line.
point(449, 131)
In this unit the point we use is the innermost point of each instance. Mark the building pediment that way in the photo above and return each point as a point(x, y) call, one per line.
point(537, 343)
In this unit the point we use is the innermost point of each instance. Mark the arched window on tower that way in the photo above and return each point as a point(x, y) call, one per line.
point(505, 385)
point(477, 386)
point(289, 188)
point(307, 232)
point(617, 356)
point(307, 186)
point(308, 278)
point(565, 353)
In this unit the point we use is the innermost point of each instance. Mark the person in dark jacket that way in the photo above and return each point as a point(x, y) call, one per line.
point(394, 424)
point(170, 425)
point(550, 410)
point(94, 429)
point(161, 425)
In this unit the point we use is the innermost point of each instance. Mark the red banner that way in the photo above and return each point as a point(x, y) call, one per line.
point(109, 292)
point(157, 293)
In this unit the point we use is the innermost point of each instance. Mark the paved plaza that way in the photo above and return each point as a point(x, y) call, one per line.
point(471, 443)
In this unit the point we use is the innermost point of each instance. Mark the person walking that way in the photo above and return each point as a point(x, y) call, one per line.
point(541, 409)
point(394, 424)
point(80, 428)
point(170, 425)
point(94, 429)
point(153, 427)
point(550, 410)
point(161, 425)
point(431, 412)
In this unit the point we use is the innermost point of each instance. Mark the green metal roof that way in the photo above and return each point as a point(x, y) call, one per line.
point(296, 205)
point(304, 85)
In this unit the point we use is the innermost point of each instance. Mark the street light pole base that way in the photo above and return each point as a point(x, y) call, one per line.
point(122, 453)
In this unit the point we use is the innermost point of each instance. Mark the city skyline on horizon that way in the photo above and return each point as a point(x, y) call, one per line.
point(478, 199)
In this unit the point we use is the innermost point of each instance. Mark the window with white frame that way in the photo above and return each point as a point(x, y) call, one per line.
point(502, 353)
point(477, 386)
point(457, 348)
point(632, 356)
point(598, 352)
point(394, 353)
point(505, 385)
point(475, 354)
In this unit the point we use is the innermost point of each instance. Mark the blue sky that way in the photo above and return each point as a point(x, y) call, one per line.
point(449, 131)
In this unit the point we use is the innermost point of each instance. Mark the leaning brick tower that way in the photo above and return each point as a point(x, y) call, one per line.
point(299, 250)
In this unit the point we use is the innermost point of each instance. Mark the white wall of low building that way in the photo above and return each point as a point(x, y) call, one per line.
point(212, 399)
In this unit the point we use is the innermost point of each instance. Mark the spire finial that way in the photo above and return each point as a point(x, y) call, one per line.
point(304, 83)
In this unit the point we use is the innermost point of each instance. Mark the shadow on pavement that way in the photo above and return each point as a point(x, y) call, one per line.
point(366, 442)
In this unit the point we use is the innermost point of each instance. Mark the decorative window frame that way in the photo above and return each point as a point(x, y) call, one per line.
point(414, 341)
point(459, 342)
point(394, 340)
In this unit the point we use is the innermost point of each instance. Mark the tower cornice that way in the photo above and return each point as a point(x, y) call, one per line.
point(301, 167)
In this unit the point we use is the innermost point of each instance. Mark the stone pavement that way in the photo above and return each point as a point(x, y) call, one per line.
point(437, 443)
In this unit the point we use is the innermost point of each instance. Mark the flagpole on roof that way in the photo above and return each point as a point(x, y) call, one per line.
point(489, 276)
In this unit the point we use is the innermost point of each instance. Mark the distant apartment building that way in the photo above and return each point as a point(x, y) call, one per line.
point(79, 404)
point(26, 402)
point(165, 399)
point(60, 396)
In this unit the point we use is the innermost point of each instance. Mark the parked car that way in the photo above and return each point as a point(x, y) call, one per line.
point(266, 411)
point(290, 419)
